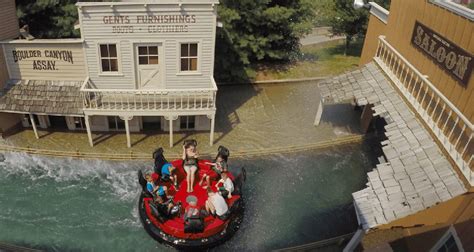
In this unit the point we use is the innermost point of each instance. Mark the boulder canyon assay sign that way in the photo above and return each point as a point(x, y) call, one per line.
point(43, 59)
point(447, 55)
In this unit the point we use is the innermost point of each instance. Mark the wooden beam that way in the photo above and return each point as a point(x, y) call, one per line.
point(89, 133)
point(319, 113)
point(171, 131)
point(211, 136)
point(34, 126)
point(127, 130)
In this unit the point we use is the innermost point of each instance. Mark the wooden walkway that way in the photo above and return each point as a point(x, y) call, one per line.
point(416, 175)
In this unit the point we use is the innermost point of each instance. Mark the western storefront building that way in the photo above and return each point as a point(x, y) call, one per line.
point(137, 66)
point(416, 78)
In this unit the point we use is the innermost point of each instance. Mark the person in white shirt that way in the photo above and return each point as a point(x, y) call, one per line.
point(225, 185)
point(215, 204)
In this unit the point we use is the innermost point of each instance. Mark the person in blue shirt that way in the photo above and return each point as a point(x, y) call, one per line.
point(168, 173)
point(155, 189)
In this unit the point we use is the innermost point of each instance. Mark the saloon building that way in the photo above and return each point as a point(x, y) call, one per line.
point(138, 65)
point(416, 80)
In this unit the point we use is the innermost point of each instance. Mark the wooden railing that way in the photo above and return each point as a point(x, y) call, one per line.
point(148, 100)
point(446, 122)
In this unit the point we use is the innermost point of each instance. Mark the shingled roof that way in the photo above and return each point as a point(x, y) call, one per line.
point(42, 96)
point(416, 174)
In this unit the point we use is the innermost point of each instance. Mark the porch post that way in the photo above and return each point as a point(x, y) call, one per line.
point(171, 118)
point(213, 121)
point(88, 128)
point(319, 112)
point(34, 126)
point(127, 129)
point(171, 131)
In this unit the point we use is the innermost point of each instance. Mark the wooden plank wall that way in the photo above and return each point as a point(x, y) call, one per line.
point(403, 14)
point(8, 30)
point(8, 20)
point(73, 69)
point(201, 31)
point(375, 28)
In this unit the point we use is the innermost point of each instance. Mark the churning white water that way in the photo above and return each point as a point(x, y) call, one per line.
point(91, 205)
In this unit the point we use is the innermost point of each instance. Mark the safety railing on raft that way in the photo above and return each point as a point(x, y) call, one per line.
point(446, 122)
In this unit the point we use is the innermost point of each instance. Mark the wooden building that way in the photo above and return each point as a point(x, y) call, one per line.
point(9, 30)
point(139, 65)
point(420, 51)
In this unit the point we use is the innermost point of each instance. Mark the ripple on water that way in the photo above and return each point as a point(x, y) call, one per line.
point(68, 204)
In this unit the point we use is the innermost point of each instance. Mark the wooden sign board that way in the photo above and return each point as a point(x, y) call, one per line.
point(448, 56)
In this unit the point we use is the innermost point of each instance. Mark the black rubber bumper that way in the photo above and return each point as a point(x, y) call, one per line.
point(156, 233)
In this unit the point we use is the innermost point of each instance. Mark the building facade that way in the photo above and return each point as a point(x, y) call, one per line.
point(139, 65)
point(415, 76)
point(9, 30)
point(426, 48)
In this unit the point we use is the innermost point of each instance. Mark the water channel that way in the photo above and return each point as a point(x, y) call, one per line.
point(83, 205)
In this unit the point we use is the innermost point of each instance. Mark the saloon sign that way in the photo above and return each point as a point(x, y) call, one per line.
point(448, 56)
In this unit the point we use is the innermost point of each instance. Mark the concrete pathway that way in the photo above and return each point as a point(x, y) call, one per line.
point(319, 35)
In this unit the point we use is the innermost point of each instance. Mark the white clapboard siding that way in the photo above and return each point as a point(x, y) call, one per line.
point(8, 20)
point(64, 69)
point(95, 29)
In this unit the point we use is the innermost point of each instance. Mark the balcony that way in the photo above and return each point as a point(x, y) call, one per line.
point(453, 130)
point(136, 100)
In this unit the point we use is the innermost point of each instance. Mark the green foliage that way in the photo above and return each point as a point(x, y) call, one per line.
point(258, 30)
point(344, 19)
point(48, 18)
point(254, 31)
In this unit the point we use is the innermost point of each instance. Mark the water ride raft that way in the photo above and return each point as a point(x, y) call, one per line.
point(172, 230)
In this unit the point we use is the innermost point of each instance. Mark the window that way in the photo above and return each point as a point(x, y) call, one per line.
point(115, 123)
point(449, 245)
point(79, 123)
point(449, 242)
point(189, 57)
point(108, 58)
point(26, 121)
point(466, 3)
point(463, 8)
point(187, 122)
point(148, 55)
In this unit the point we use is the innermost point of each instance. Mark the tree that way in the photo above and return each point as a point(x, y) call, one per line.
point(48, 18)
point(344, 19)
point(258, 30)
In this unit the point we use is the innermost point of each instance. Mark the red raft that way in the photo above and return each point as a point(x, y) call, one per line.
point(171, 230)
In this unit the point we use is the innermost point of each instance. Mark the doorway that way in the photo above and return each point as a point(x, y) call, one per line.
point(151, 123)
point(148, 66)
point(58, 122)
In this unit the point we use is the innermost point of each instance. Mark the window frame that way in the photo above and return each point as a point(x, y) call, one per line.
point(198, 57)
point(450, 232)
point(455, 7)
point(116, 124)
point(82, 122)
point(119, 61)
point(187, 122)
point(148, 55)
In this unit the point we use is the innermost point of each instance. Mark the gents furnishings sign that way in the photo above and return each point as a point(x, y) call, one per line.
point(447, 55)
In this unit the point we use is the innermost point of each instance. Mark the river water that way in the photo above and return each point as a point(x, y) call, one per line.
point(83, 205)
